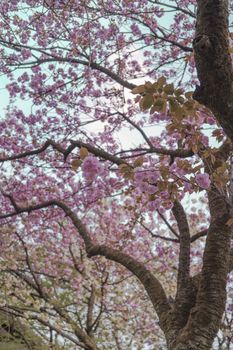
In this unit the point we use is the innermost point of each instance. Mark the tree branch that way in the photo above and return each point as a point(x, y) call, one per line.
point(151, 284)
point(181, 153)
point(66, 151)
point(205, 318)
point(86, 343)
point(198, 235)
point(168, 225)
point(184, 255)
point(176, 8)
point(169, 239)
point(53, 58)
point(39, 288)
point(149, 281)
point(146, 138)
point(75, 220)
point(91, 304)
point(163, 38)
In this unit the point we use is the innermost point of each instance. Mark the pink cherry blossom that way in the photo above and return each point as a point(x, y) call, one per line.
point(101, 248)
point(91, 168)
point(203, 180)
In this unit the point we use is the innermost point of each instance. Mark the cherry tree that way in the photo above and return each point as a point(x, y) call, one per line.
point(116, 164)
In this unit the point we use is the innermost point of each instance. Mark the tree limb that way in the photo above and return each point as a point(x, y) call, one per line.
point(90, 309)
point(184, 255)
point(53, 58)
point(205, 318)
point(181, 153)
point(149, 281)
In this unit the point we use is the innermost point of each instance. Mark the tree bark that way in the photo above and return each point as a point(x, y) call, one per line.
point(213, 61)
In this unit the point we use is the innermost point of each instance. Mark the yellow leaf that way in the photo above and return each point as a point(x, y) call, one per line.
point(164, 172)
point(161, 81)
point(180, 99)
point(138, 89)
point(188, 94)
point(173, 105)
point(168, 89)
point(122, 166)
point(75, 164)
point(83, 152)
point(178, 92)
point(189, 105)
point(149, 87)
point(138, 162)
point(159, 105)
point(126, 171)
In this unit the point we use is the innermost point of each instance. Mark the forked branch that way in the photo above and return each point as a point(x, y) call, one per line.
point(149, 281)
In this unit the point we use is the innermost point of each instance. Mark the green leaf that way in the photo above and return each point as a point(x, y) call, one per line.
point(146, 102)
